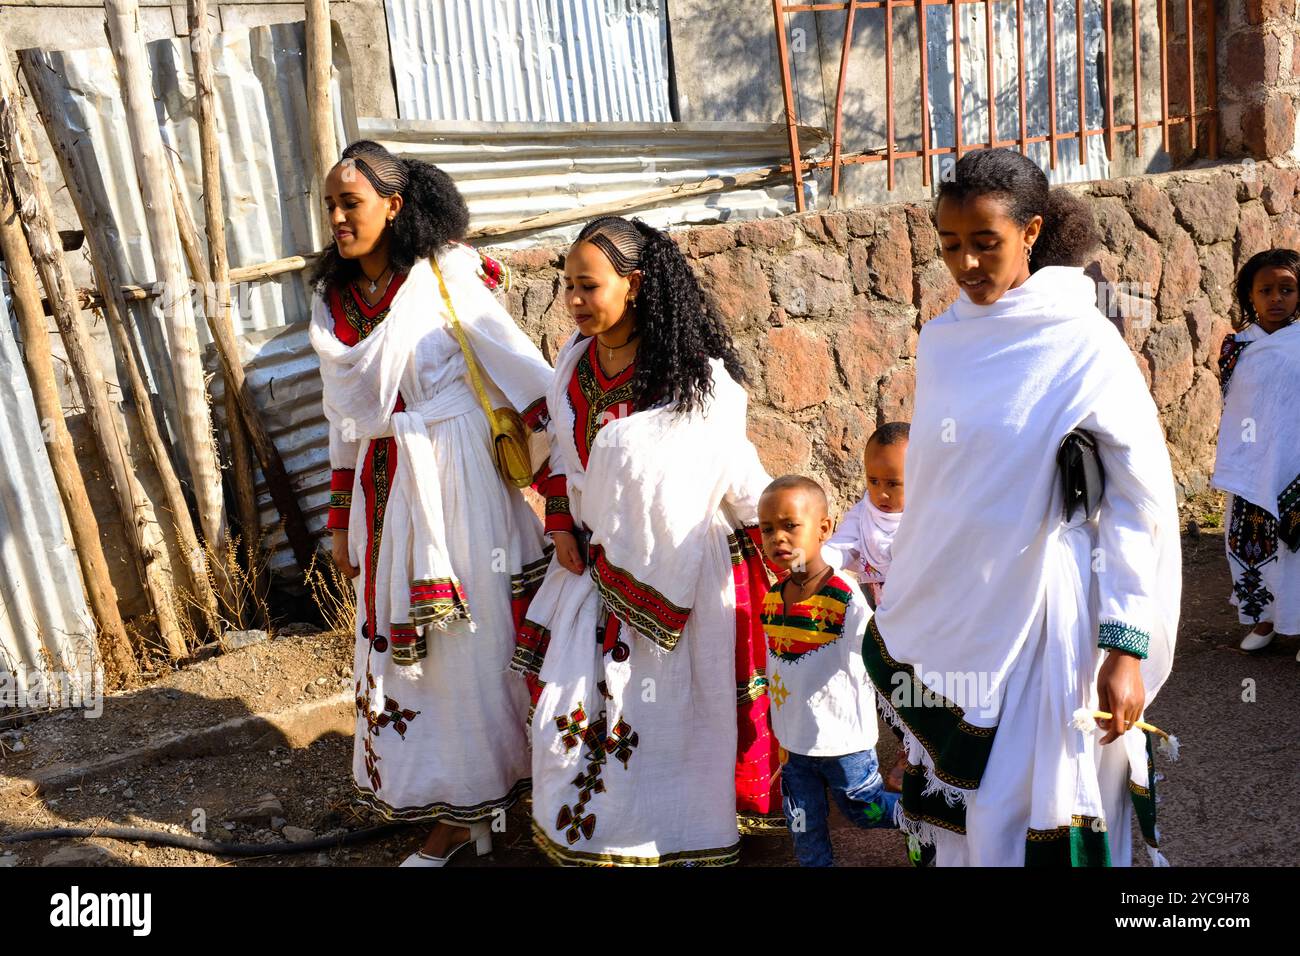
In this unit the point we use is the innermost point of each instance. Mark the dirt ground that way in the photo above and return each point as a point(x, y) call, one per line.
point(1230, 800)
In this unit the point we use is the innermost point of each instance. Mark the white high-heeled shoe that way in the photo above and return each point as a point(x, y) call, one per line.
point(480, 834)
point(1256, 642)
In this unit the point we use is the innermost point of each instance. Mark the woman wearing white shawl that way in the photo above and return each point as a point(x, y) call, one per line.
point(1002, 617)
point(1258, 461)
point(650, 732)
point(447, 554)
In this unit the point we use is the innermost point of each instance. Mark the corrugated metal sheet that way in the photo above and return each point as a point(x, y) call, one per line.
point(508, 171)
point(45, 626)
point(1006, 71)
point(264, 133)
point(519, 60)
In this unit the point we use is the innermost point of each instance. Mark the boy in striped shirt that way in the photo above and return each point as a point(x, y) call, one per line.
point(823, 710)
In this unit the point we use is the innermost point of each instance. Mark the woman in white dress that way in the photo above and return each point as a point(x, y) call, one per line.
point(447, 555)
point(1016, 598)
point(651, 742)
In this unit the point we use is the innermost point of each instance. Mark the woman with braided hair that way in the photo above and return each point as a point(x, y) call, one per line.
point(643, 646)
point(446, 553)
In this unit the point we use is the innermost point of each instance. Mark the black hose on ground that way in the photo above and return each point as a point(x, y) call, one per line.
point(215, 847)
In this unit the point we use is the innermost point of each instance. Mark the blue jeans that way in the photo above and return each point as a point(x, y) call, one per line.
point(855, 782)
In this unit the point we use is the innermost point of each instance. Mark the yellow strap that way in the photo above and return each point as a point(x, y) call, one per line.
point(464, 347)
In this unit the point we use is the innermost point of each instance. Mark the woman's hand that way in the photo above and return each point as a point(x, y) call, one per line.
point(1120, 692)
point(566, 552)
point(339, 552)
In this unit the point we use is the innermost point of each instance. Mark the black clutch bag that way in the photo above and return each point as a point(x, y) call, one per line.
point(1082, 478)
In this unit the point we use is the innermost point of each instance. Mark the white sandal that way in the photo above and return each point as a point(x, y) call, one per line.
point(1257, 642)
point(480, 834)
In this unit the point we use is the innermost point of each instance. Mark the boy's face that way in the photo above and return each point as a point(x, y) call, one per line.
point(883, 465)
point(794, 526)
point(1275, 297)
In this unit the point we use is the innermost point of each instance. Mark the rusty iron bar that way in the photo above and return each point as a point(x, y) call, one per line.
point(1082, 98)
point(1110, 86)
point(791, 114)
point(837, 143)
point(890, 154)
point(1137, 82)
point(925, 95)
point(1163, 13)
point(1211, 88)
point(988, 56)
point(956, 78)
point(1020, 61)
point(1051, 84)
point(889, 96)
point(1191, 75)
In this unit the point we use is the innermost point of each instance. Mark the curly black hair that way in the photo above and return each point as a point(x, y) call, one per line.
point(1069, 231)
point(433, 212)
point(1269, 258)
point(679, 329)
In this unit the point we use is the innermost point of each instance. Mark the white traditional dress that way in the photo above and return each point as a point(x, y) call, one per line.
point(449, 555)
point(1258, 464)
point(863, 543)
point(650, 734)
point(988, 637)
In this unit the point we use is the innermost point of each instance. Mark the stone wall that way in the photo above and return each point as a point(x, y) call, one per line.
point(826, 307)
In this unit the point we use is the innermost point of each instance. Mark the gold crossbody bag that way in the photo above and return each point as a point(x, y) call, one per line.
point(509, 436)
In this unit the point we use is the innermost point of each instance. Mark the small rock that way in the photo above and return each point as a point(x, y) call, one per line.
point(277, 823)
point(234, 640)
point(1193, 529)
point(8, 860)
point(128, 793)
point(103, 790)
point(262, 810)
point(321, 681)
point(87, 854)
point(136, 854)
point(297, 834)
point(18, 746)
point(228, 826)
point(172, 694)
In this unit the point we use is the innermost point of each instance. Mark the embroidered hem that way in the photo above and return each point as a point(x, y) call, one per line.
point(438, 602)
point(1082, 843)
point(1118, 636)
point(563, 856)
point(637, 605)
point(442, 811)
point(959, 750)
point(340, 508)
point(761, 824)
point(408, 644)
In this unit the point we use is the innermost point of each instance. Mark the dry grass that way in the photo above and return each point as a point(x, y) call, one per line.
point(333, 593)
point(241, 605)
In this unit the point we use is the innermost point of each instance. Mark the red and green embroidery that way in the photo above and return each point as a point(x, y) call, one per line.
point(641, 606)
point(575, 821)
point(597, 400)
point(438, 601)
point(808, 626)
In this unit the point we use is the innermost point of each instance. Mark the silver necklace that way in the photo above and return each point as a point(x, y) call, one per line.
point(374, 283)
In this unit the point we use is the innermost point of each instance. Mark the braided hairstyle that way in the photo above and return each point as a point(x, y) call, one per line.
point(679, 331)
point(1269, 258)
point(1069, 231)
point(433, 212)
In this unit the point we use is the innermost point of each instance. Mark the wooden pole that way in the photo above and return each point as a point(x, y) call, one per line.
point(195, 426)
point(113, 307)
point(217, 301)
point(215, 291)
point(320, 100)
point(35, 212)
point(115, 646)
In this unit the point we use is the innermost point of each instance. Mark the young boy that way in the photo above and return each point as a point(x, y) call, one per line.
point(864, 540)
point(863, 543)
point(823, 710)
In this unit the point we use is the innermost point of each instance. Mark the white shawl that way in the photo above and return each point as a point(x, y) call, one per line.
point(361, 387)
point(1259, 438)
point(985, 565)
point(653, 481)
point(866, 534)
